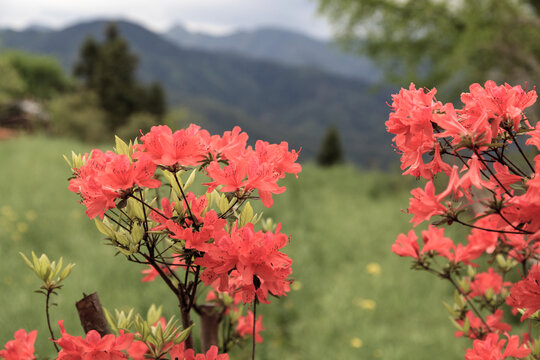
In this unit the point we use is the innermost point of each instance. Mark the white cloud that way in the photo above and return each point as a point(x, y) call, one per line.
point(215, 16)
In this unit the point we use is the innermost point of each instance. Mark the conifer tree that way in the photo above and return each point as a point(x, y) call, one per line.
point(331, 151)
point(109, 69)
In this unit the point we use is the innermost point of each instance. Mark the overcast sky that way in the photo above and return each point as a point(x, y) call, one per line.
point(214, 16)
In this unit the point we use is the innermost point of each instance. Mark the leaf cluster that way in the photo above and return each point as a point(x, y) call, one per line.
point(454, 43)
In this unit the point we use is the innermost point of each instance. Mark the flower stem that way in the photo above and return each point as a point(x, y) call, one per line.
point(47, 306)
point(254, 321)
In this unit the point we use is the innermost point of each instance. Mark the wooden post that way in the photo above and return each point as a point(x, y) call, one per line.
point(210, 318)
point(91, 314)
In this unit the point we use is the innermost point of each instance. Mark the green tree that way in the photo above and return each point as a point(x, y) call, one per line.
point(448, 43)
point(42, 76)
point(109, 69)
point(331, 151)
point(154, 100)
point(11, 86)
point(78, 115)
point(85, 69)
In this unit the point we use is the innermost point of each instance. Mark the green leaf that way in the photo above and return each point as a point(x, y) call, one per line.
point(190, 179)
point(223, 204)
point(65, 273)
point(450, 310)
point(111, 321)
point(28, 263)
point(458, 299)
point(171, 178)
point(454, 322)
point(183, 335)
point(501, 261)
point(121, 147)
point(246, 216)
point(137, 233)
point(104, 229)
point(135, 209)
point(154, 314)
point(68, 162)
point(466, 326)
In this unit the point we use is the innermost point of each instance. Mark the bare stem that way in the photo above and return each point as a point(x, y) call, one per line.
point(492, 173)
point(521, 151)
point(254, 320)
point(150, 207)
point(47, 306)
point(521, 232)
point(470, 303)
point(186, 201)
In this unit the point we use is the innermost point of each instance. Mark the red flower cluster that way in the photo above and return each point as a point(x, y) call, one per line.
point(411, 122)
point(491, 348)
point(211, 236)
point(178, 353)
point(477, 327)
point(260, 267)
point(105, 177)
point(93, 346)
point(435, 243)
point(483, 282)
point(258, 168)
point(418, 121)
point(21, 347)
point(495, 195)
point(484, 108)
point(245, 326)
point(525, 294)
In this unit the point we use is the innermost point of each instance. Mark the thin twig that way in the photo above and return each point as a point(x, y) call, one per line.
point(116, 222)
point(47, 305)
point(521, 151)
point(469, 302)
point(187, 203)
point(150, 207)
point(254, 320)
point(492, 173)
point(522, 232)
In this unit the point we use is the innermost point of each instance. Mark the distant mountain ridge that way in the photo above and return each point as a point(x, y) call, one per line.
point(270, 101)
point(282, 46)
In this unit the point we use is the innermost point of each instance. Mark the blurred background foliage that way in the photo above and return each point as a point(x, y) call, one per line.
point(447, 44)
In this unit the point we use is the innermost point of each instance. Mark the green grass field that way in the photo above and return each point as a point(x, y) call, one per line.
point(353, 298)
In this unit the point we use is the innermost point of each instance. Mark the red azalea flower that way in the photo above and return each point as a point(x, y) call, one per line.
point(500, 102)
point(108, 347)
point(491, 347)
point(255, 255)
point(411, 122)
point(231, 176)
point(186, 147)
point(407, 245)
point(245, 326)
point(424, 204)
point(482, 282)
point(525, 294)
point(477, 326)
point(435, 241)
point(178, 352)
point(21, 347)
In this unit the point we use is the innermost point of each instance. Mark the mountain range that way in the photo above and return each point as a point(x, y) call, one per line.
point(281, 46)
point(270, 98)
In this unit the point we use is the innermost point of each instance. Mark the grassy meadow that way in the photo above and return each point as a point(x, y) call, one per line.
point(352, 299)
